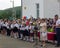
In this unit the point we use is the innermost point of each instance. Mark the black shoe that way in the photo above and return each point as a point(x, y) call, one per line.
point(57, 46)
point(41, 45)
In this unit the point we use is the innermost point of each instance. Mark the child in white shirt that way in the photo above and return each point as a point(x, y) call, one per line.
point(15, 29)
point(31, 32)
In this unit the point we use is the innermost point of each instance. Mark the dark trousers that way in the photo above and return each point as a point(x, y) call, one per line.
point(8, 32)
point(19, 33)
point(58, 35)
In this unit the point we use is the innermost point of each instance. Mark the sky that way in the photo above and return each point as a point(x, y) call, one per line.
point(4, 4)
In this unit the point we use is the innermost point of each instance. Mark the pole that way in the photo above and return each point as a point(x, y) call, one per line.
point(13, 11)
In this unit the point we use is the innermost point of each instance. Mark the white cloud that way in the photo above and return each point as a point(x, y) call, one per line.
point(7, 4)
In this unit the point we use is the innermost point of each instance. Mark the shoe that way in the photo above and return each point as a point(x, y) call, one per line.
point(24, 39)
point(20, 38)
point(41, 45)
point(57, 46)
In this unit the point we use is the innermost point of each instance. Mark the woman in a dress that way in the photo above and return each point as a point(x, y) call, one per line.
point(43, 32)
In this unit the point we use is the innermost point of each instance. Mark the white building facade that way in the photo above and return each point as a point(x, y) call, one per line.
point(40, 8)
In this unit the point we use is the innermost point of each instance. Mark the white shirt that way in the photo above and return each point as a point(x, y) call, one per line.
point(22, 28)
point(58, 22)
point(43, 28)
point(12, 26)
point(2, 23)
point(27, 27)
point(31, 29)
point(16, 25)
point(6, 25)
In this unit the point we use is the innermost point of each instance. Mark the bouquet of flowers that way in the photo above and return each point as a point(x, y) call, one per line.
point(50, 30)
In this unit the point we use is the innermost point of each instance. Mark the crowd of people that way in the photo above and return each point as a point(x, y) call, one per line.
point(24, 29)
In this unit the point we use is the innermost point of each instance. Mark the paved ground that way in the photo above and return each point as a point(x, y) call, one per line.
point(7, 42)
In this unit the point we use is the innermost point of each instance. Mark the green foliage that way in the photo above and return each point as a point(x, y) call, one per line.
point(7, 13)
point(50, 30)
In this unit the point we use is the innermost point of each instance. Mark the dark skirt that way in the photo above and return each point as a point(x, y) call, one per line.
point(8, 32)
point(3, 28)
point(22, 31)
point(27, 33)
point(11, 30)
point(19, 33)
point(15, 29)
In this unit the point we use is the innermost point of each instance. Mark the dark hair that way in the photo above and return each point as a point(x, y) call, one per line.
point(43, 19)
point(56, 15)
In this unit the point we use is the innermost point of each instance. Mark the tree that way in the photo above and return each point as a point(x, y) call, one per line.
point(7, 13)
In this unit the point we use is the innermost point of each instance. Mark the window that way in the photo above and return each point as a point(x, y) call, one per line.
point(37, 9)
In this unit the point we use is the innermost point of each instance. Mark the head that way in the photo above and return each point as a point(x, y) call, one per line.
point(56, 17)
point(43, 20)
point(14, 21)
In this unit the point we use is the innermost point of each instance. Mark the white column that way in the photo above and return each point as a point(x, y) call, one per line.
point(41, 8)
point(59, 5)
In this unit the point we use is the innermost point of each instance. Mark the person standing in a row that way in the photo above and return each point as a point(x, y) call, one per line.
point(43, 32)
point(54, 27)
point(58, 31)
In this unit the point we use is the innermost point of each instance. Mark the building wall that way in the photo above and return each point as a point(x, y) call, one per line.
point(31, 8)
point(51, 7)
point(48, 8)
